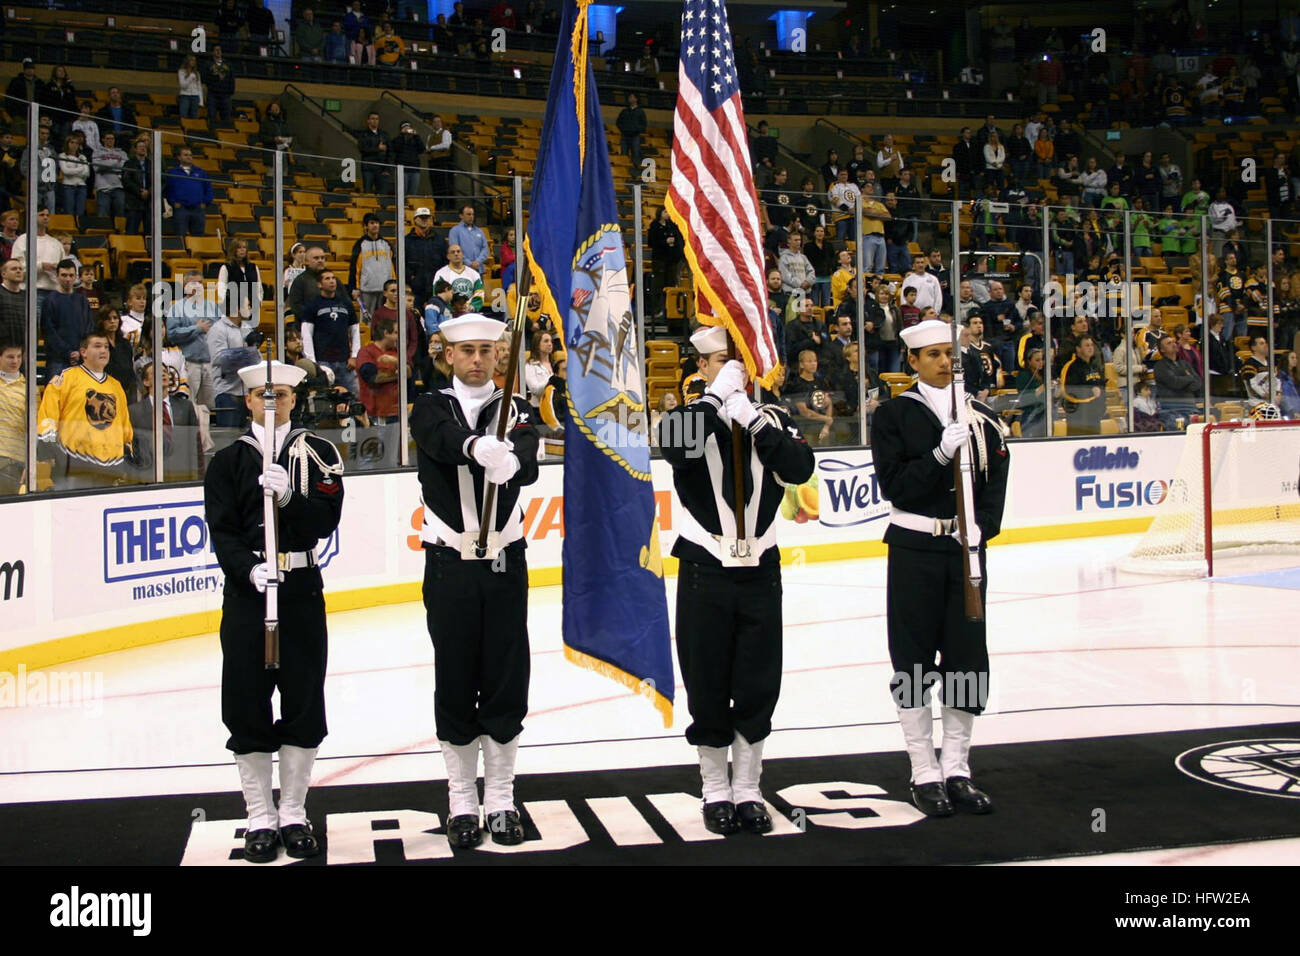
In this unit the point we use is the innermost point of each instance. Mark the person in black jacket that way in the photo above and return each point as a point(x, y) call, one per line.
point(219, 77)
point(374, 146)
point(729, 629)
point(632, 125)
point(306, 479)
point(117, 116)
point(24, 88)
point(477, 603)
point(426, 253)
point(914, 439)
point(968, 157)
point(405, 150)
point(137, 181)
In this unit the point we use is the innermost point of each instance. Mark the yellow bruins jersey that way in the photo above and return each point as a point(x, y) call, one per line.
point(86, 415)
point(13, 418)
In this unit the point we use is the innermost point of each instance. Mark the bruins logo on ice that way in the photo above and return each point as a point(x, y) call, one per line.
point(1270, 767)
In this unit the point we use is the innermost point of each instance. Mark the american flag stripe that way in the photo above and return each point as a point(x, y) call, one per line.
point(711, 196)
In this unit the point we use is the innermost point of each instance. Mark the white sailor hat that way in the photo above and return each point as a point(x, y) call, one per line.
point(929, 332)
point(708, 339)
point(472, 327)
point(254, 376)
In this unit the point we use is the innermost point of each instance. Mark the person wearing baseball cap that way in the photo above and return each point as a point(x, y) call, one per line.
point(405, 150)
point(913, 441)
point(426, 253)
point(477, 601)
point(308, 485)
point(729, 629)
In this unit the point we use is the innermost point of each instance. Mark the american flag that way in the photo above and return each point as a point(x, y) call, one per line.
point(712, 197)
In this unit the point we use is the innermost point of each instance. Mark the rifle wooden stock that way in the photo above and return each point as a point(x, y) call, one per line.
point(524, 283)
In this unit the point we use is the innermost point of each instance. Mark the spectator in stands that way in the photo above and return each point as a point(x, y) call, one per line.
point(405, 150)
point(666, 257)
point(83, 417)
point(806, 393)
point(388, 45)
point(74, 173)
point(183, 452)
point(239, 286)
point(1044, 153)
point(438, 309)
point(472, 240)
point(137, 179)
point(538, 370)
point(797, 274)
point(13, 303)
point(843, 197)
point(59, 96)
point(1148, 184)
point(1122, 174)
point(11, 184)
point(108, 161)
point(49, 253)
point(387, 309)
point(188, 323)
point(1032, 400)
point(273, 131)
point(230, 21)
point(426, 253)
point(8, 233)
point(1083, 388)
point(309, 38)
point(46, 191)
point(439, 150)
point(1277, 184)
point(889, 164)
point(117, 115)
point(219, 78)
point(1187, 350)
point(1094, 182)
point(331, 334)
point(462, 279)
point(1001, 323)
point(985, 132)
point(355, 21)
point(1178, 385)
point(969, 162)
point(260, 21)
point(830, 169)
point(88, 127)
point(134, 318)
point(632, 125)
point(363, 49)
point(370, 266)
point(898, 233)
point(65, 320)
point(874, 215)
point(1020, 153)
point(23, 89)
point(1256, 362)
point(929, 293)
point(189, 190)
point(13, 416)
point(881, 325)
point(305, 284)
point(1171, 181)
point(189, 84)
point(762, 146)
point(1196, 200)
point(378, 368)
point(819, 252)
point(336, 43)
point(373, 145)
point(121, 353)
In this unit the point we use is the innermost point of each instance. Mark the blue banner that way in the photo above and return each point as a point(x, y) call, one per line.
point(615, 610)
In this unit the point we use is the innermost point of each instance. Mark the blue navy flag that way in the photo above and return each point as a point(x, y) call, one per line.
point(615, 610)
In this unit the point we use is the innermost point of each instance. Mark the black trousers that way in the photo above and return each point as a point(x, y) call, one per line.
point(478, 621)
point(729, 647)
point(246, 684)
point(926, 615)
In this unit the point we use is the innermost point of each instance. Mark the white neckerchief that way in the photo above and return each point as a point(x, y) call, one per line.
point(472, 398)
point(259, 432)
point(939, 400)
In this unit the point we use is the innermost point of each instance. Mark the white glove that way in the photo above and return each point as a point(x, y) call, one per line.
point(740, 409)
point(500, 474)
point(260, 574)
point(973, 530)
point(277, 479)
point(491, 452)
point(329, 373)
point(730, 379)
point(953, 438)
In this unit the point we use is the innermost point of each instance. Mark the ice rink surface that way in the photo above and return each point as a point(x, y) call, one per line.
point(1078, 649)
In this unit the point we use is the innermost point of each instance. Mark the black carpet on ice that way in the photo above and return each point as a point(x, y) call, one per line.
point(1053, 798)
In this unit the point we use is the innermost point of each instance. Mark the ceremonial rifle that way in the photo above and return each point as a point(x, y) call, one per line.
point(485, 521)
point(963, 483)
point(270, 522)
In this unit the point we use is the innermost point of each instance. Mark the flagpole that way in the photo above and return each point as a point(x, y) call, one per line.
point(738, 473)
point(638, 265)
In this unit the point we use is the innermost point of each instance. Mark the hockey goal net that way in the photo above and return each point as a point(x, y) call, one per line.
point(1236, 492)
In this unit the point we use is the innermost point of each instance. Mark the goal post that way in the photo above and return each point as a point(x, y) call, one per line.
point(1236, 492)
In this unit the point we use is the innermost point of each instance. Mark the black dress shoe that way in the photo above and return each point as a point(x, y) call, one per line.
point(720, 817)
point(260, 845)
point(967, 797)
point(463, 832)
point(753, 817)
point(931, 800)
point(505, 827)
point(299, 842)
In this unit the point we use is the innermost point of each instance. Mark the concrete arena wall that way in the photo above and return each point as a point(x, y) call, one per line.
point(95, 573)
